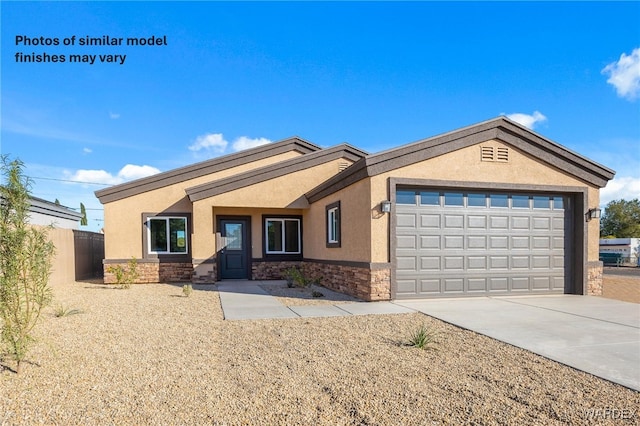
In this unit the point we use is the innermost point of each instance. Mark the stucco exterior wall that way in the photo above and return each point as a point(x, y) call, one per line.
point(355, 228)
point(63, 265)
point(123, 218)
point(466, 165)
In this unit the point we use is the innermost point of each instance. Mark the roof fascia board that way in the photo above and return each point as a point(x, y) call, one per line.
point(273, 171)
point(203, 168)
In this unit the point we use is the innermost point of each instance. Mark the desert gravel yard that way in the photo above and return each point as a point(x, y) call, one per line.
point(147, 355)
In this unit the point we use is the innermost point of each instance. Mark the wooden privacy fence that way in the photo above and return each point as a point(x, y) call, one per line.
point(88, 254)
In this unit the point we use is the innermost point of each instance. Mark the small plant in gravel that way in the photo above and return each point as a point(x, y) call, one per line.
point(316, 293)
point(125, 276)
point(422, 338)
point(296, 278)
point(63, 311)
point(187, 289)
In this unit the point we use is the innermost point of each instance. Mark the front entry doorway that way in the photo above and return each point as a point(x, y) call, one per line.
point(234, 255)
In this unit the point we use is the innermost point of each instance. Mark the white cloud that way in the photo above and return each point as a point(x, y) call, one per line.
point(87, 150)
point(527, 120)
point(624, 75)
point(113, 115)
point(244, 142)
point(624, 187)
point(210, 141)
point(127, 173)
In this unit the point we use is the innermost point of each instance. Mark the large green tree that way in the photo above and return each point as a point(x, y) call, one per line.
point(26, 254)
point(621, 219)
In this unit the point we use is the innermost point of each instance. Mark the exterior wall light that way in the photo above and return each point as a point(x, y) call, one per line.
point(385, 206)
point(593, 214)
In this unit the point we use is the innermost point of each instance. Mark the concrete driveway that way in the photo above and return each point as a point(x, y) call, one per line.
point(592, 334)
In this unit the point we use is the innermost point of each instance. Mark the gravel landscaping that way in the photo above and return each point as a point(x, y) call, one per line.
point(148, 355)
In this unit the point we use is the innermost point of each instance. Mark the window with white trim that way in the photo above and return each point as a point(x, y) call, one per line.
point(333, 224)
point(282, 236)
point(167, 235)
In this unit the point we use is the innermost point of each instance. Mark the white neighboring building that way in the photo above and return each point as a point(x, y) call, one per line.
point(628, 247)
point(45, 213)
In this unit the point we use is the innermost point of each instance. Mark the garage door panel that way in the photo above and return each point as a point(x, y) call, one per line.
point(477, 222)
point(430, 286)
point(406, 242)
point(430, 242)
point(510, 244)
point(476, 242)
point(406, 220)
point(406, 287)
point(497, 242)
point(477, 263)
point(541, 283)
point(520, 243)
point(520, 223)
point(499, 222)
point(453, 263)
point(498, 284)
point(430, 263)
point(498, 262)
point(477, 285)
point(430, 221)
point(406, 263)
point(520, 283)
point(453, 221)
point(453, 242)
point(453, 285)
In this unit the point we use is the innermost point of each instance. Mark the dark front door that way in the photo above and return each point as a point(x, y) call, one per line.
point(233, 257)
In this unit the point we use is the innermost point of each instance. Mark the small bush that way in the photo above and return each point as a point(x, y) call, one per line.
point(317, 294)
point(296, 278)
point(62, 311)
point(422, 338)
point(125, 277)
point(187, 289)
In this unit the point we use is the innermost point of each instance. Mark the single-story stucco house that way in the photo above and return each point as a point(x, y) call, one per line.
point(490, 209)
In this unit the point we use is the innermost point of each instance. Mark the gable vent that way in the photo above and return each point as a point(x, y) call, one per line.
point(342, 166)
point(494, 154)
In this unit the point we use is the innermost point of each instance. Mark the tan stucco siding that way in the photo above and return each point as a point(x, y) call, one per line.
point(282, 192)
point(355, 226)
point(123, 218)
point(466, 165)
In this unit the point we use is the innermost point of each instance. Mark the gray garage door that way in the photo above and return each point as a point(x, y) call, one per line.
point(452, 243)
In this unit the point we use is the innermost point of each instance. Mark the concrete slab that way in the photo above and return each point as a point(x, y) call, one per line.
point(372, 308)
point(319, 311)
point(592, 334)
point(246, 300)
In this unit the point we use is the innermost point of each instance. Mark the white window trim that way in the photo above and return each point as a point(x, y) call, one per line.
point(332, 225)
point(283, 228)
point(166, 220)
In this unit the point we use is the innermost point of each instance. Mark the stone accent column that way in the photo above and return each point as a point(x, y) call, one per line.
point(594, 278)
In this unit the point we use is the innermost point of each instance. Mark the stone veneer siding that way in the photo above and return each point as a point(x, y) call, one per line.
point(361, 282)
point(152, 272)
point(594, 278)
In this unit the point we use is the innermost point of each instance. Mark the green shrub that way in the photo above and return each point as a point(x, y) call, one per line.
point(422, 338)
point(125, 276)
point(62, 311)
point(296, 278)
point(187, 289)
point(26, 254)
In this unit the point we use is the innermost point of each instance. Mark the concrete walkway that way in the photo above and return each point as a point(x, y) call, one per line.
point(247, 300)
point(592, 334)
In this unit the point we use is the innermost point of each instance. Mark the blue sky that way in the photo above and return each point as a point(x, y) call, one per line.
point(375, 75)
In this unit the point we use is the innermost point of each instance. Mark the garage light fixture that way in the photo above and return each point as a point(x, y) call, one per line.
point(385, 206)
point(593, 214)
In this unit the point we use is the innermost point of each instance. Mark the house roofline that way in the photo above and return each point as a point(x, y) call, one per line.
point(160, 180)
point(273, 171)
point(499, 128)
